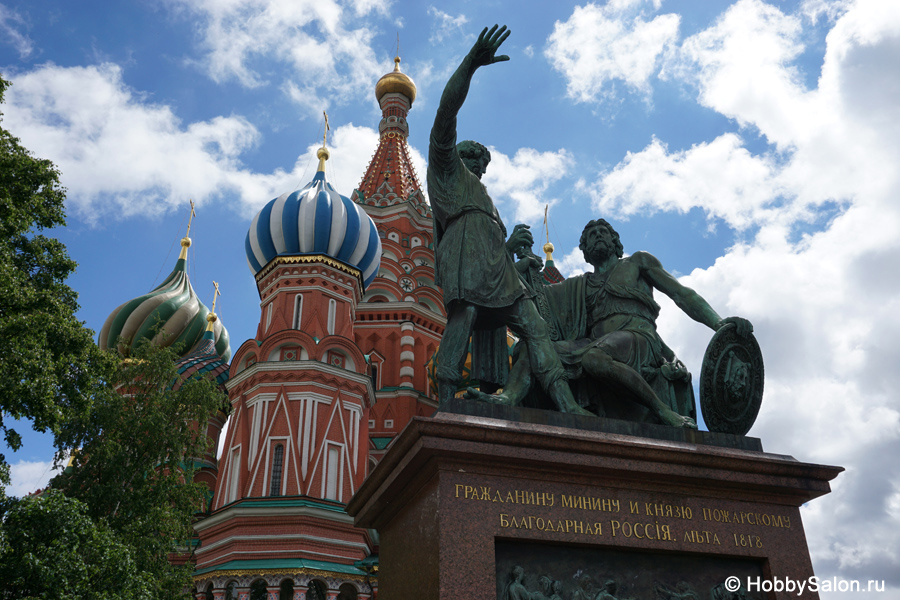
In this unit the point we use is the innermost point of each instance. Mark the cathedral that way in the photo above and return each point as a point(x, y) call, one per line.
point(350, 317)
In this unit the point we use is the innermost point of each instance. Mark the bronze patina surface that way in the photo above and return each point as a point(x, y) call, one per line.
point(731, 382)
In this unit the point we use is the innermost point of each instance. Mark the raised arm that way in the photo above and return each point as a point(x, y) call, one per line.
point(684, 297)
point(482, 53)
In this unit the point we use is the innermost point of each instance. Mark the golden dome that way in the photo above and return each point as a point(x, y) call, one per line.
point(396, 82)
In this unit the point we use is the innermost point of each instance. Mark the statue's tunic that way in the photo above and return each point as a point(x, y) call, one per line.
point(582, 307)
point(471, 261)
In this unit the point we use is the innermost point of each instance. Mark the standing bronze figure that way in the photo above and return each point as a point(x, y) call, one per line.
point(474, 263)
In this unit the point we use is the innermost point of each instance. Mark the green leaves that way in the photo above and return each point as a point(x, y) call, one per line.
point(49, 364)
point(108, 523)
point(135, 470)
point(50, 548)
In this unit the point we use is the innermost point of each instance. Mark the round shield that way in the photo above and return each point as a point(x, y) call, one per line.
point(731, 382)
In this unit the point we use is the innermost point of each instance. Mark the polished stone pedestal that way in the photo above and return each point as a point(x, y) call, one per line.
point(479, 507)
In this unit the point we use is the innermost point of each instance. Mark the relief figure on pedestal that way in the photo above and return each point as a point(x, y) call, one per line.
point(515, 589)
point(682, 591)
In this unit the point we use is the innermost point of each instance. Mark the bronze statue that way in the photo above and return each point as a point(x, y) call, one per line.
point(482, 290)
point(606, 325)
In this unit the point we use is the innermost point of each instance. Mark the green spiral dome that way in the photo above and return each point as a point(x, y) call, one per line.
point(170, 314)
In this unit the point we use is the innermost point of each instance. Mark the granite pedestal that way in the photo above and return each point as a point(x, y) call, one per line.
point(478, 507)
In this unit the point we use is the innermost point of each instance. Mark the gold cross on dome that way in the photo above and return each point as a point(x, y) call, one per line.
point(546, 225)
point(190, 218)
point(327, 129)
point(216, 294)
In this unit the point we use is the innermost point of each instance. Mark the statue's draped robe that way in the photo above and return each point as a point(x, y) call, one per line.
point(580, 303)
point(471, 260)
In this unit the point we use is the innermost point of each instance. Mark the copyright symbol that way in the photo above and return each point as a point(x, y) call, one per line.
point(732, 584)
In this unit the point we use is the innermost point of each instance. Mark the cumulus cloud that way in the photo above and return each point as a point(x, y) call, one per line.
point(27, 476)
point(10, 24)
point(821, 293)
point(523, 180)
point(114, 148)
point(326, 47)
point(573, 263)
point(121, 154)
point(721, 177)
point(598, 45)
point(444, 25)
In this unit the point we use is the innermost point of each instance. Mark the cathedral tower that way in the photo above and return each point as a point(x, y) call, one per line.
point(401, 319)
point(297, 444)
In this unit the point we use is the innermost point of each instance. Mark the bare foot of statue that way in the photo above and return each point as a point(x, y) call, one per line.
point(562, 396)
point(476, 394)
point(670, 417)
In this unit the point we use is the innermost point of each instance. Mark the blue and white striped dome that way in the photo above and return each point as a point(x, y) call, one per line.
point(315, 220)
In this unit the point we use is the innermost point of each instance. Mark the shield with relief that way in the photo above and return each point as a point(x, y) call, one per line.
point(731, 382)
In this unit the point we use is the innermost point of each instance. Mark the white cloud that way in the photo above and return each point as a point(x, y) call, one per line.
point(326, 47)
point(524, 180)
point(365, 7)
point(114, 148)
point(600, 44)
point(27, 476)
point(120, 154)
point(573, 263)
point(445, 25)
point(830, 9)
point(823, 295)
point(10, 23)
point(721, 177)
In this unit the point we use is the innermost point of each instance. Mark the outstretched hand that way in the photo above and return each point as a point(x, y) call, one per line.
point(484, 50)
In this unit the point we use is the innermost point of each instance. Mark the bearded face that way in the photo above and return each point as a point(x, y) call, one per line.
point(598, 246)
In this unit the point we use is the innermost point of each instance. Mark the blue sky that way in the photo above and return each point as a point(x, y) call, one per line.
point(751, 146)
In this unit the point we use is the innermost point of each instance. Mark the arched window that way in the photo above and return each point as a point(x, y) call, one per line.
point(287, 590)
point(230, 591)
point(317, 590)
point(347, 592)
point(277, 462)
point(298, 310)
point(332, 309)
point(208, 595)
point(333, 472)
point(258, 590)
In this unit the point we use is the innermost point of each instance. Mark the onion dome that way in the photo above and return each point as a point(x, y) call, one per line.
point(169, 314)
point(204, 361)
point(396, 82)
point(315, 220)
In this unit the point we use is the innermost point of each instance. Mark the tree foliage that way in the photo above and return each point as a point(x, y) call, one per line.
point(51, 549)
point(128, 497)
point(50, 367)
point(130, 488)
point(135, 470)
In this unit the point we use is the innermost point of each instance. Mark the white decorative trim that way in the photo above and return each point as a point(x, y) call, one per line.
point(407, 355)
point(407, 372)
point(281, 536)
point(241, 510)
point(299, 365)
